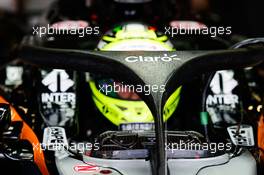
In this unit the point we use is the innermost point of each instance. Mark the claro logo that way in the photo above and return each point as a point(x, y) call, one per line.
point(164, 58)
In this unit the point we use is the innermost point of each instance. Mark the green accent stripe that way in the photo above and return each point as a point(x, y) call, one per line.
point(162, 38)
point(109, 39)
point(204, 118)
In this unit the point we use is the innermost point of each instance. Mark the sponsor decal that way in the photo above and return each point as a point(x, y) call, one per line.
point(86, 168)
point(55, 138)
point(163, 58)
point(58, 82)
point(137, 126)
point(223, 103)
point(222, 86)
point(242, 136)
point(58, 97)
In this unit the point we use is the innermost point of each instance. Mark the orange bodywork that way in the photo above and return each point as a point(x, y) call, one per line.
point(261, 136)
point(28, 134)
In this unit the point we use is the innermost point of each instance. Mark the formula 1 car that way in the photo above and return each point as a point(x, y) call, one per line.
point(62, 105)
point(158, 151)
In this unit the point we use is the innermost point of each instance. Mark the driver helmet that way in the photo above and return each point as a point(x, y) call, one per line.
point(125, 106)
